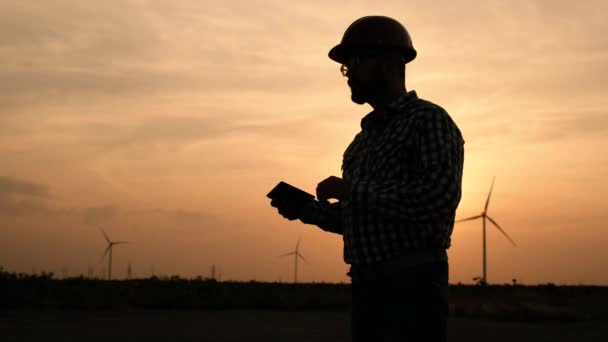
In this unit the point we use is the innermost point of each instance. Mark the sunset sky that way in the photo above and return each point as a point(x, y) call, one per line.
point(167, 122)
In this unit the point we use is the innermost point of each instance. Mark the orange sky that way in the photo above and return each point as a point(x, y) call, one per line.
point(167, 122)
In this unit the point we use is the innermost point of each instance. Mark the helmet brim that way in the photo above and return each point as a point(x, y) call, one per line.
point(341, 52)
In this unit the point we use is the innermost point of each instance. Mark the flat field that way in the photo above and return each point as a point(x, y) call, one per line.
point(39, 308)
point(254, 325)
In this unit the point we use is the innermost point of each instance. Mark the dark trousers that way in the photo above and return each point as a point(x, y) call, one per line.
point(411, 305)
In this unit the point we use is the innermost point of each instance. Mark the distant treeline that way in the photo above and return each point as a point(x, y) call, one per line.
point(509, 302)
point(43, 291)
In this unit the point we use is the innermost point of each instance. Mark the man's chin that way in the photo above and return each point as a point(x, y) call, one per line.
point(357, 98)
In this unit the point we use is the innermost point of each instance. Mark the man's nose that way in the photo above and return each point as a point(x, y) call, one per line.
point(348, 73)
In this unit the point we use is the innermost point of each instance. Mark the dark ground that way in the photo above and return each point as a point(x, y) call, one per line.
point(40, 308)
point(245, 325)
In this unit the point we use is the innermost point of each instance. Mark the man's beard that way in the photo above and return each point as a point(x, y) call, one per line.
point(362, 93)
point(358, 95)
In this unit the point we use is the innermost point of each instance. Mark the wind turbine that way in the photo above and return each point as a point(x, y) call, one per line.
point(296, 255)
point(109, 249)
point(484, 215)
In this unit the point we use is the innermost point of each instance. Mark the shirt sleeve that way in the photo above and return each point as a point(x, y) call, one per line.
point(434, 190)
point(327, 216)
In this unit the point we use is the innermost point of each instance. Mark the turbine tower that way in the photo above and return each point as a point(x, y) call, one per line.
point(296, 255)
point(109, 249)
point(484, 215)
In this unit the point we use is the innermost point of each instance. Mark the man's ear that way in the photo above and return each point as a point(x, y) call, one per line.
point(389, 69)
point(385, 70)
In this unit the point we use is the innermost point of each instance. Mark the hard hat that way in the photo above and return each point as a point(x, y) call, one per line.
point(374, 33)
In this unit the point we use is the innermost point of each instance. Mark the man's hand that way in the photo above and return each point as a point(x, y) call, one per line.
point(286, 209)
point(333, 187)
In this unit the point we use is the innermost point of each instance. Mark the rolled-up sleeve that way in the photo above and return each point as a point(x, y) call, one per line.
point(327, 216)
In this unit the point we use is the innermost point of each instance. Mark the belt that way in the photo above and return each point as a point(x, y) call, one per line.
point(382, 269)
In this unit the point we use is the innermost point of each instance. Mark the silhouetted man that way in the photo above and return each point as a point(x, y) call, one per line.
point(397, 198)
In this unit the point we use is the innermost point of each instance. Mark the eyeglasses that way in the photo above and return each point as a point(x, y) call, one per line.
point(343, 70)
point(351, 63)
point(356, 60)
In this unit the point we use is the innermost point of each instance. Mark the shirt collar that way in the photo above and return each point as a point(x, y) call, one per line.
point(402, 101)
point(395, 107)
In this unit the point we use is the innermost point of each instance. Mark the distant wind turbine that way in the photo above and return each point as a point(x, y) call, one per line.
point(296, 255)
point(484, 215)
point(109, 250)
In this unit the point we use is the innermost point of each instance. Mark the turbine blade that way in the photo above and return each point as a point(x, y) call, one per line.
point(298, 244)
point(286, 254)
point(502, 231)
point(105, 235)
point(469, 219)
point(489, 194)
point(302, 257)
point(105, 253)
point(120, 242)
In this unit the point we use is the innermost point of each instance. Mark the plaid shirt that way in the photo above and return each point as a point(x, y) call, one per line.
point(406, 175)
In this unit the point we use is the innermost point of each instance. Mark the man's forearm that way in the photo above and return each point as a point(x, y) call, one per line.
point(327, 216)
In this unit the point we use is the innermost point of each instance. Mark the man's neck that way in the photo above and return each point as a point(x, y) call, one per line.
point(380, 104)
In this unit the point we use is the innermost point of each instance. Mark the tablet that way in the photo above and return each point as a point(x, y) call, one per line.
point(289, 193)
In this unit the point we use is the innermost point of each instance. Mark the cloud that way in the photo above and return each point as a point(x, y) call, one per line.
point(559, 126)
point(12, 186)
point(191, 218)
point(96, 216)
point(23, 207)
point(172, 130)
point(22, 198)
point(139, 48)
